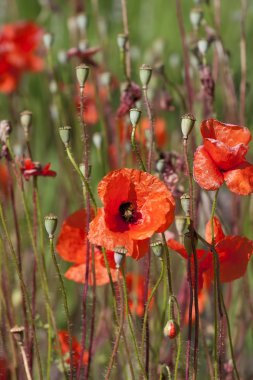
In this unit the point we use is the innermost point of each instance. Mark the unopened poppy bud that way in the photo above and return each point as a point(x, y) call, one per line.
point(185, 203)
point(26, 120)
point(187, 124)
point(196, 16)
point(160, 165)
point(188, 243)
point(81, 21)
point(121, 41)
point(145, 75)
point(82, 73)
point(97, 140)
point(203, 46)
point(51, 224)
point(171, 329)
point(65, 134)
point(135, 115)
point(157, 248)
point(180, 222)
point(18, 334)
point(48, 40)
point(119, 255)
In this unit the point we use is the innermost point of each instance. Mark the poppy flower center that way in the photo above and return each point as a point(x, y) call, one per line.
point(127, 211)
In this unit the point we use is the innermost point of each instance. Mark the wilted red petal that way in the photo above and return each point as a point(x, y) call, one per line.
point(234, 254)
point(240, 180)
point(217, 229)
point(205, 172)
point(159, 129)
point(225, 157)
point(177, 247)
point(229, 134)
point(76, 348)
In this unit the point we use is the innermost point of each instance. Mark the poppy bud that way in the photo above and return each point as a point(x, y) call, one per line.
point(119, 254)
point(18, 334)
point(180, 222)
point(185, 203)
point(26, 121)
point(203, 46)
point(196, 16)
point(97, 140)
point(145, 75)
point(187, 123)
point(171, 329)
point(51, 224)
point(48, 40)
point(188, 242)
point(82, 72)
point(121, 41)
point(135, 115)
point(65, 134)
point(157, 248)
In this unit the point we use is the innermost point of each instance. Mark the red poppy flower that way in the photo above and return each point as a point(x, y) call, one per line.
point(222, 158)
point(18, 53)
point(234, 254)
point(136, 205)
point(76, 348)
point(71, 246)
point(160, 131)
point(34, 169)
point(135, 287)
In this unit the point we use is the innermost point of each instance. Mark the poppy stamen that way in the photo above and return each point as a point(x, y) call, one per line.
point(127, 211)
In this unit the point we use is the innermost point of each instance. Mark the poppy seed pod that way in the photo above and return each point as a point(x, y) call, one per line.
point(171, 329)
point(48, 40)
point(26, 120)
point(18, 334)
point(121, 41)
point(51, 224)
point(196, 16)
point(203, 46)
point(185, 203)
point(157, 248)
point(188, 242)
point(119, 254)
point(180, 222)
point(65, 134)
point(135, 115)
point(187, 124)
point(145, 75)
point(82, 73)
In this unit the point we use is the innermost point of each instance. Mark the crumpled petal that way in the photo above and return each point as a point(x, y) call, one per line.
point(225, 157)
point(205, 172)
point(217, 229)
point(240, 180)
point(229, 134)
point(177, 247)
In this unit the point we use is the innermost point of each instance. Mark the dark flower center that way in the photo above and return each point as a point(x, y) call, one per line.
point(127, 211)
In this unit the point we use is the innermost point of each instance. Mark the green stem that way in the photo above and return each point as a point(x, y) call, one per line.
point(148, 304)
point(130, 323)
point(136, 150)
point(49, 346)
point(168, 264)
point(179, 341)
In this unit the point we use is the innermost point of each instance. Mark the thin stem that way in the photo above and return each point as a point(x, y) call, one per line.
point(190, 178)
point(120, 328)
point(179, 343)
point(167, 263)
point(136, 150)
point(126, 32)
point(151, 129)
point(65, 302)
point(49, 346)
point(130, 324)
point(148, 304)
point(25, 361)
point(243, 57)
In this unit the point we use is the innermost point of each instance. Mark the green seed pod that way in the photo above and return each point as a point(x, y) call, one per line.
point(121, 41)
point(196, 16)
point(97, 140)
point(180, 222)
point(157, 248)
point(160, 165)
point(187, 124)
point(51, 224)
point(185, 203)
point(48, 40)
point(203, 46)
point(65, 134)
point(145, 75)
point(82, 73)
point(135, 115)
point(26, 120)
point(119, 255)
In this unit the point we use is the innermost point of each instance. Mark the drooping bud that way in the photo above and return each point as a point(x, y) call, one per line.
point(121, 41)
point(203, 46)
point(135, 115)
point(119, 255)
point(51, 224)
point(145, 75)
point(196, 16)
point(65, 134)
point(48, 40)
point(171, 329)
point(187, 124)
point(18, 334)
point(82, 73)
point(26, 121)
point(157, 248)
point(97, 140)
point(5, 130)
point(180, 222)
point(188, 243)
point(185, 203)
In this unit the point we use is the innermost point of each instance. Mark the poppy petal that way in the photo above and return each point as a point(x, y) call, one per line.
point(205, 172)
point(240, 179)
point(217, 229)
point(177, 247)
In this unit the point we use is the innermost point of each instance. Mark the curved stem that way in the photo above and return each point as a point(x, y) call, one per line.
point(136, 150)
point(151, 129)
point(25, 361)
point(179, 343)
